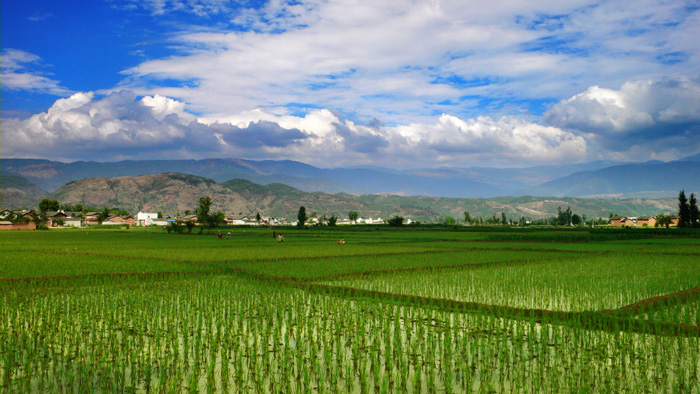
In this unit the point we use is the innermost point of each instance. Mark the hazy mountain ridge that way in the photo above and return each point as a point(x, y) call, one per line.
point(449, 182)
point(594, 179)
point(651, 179)
point(172, 193)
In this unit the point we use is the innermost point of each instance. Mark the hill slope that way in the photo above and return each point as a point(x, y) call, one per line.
point(168, 193)
point(51, 175)
point(173, 193)
point(17, 192)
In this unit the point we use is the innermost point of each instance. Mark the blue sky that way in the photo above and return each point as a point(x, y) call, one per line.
point(340, 83)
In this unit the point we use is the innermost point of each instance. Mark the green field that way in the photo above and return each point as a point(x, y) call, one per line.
point(410, 310)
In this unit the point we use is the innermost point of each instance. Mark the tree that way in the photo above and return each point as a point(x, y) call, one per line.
point(216, 219)
point(683, 210)
point(48, 205)
point(663, 220)
point(202, 211)
point(504, 221)
point(467, 218)
point(694, 213)
point(103, 215)
point(353, 215)
point(15, 217)
point(187, 212)
point(332, 220)
point(205, 217)
point(564, 218)
point(301, 216)
point(396, 221)
point(39, 220)
point(449, 220)
point(575, 220)
point(175, 226)
point(493, 220)
point(258, 218)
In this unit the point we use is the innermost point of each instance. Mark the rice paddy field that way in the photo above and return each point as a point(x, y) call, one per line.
point(410, 310)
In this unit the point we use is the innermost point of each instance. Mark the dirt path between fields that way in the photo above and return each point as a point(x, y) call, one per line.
point(641, 305)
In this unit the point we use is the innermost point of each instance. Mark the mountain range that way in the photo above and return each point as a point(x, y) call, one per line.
point(174, 193)
point(278, 188)
point(592, 179)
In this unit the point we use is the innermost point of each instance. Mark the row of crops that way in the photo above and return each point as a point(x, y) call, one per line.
point(390, 311)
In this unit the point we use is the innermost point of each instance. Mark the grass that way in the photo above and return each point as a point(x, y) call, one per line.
point(407, 310)
point(558, 282)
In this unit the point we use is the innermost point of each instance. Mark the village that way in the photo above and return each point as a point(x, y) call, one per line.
point(24, 220)
point(642, 221)
point(67, 219)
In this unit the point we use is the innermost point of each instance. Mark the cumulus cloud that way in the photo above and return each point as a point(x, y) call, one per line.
point(21, 70)
point(656, 115)
point(360, 139)
point(121, 125)
point(486, 140)
point(256, 135)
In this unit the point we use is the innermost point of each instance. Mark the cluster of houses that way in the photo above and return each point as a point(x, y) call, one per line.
point(60, 219)
point(79, 219)
point(271, 221)
point(639, 221)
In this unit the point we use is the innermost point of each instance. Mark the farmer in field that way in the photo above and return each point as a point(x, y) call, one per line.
point(273, 234)
point(280, 238)
point(342, 241)
point(228, 236)
point(219, 234)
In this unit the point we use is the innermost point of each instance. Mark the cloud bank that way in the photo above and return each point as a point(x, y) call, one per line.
point(123, 126)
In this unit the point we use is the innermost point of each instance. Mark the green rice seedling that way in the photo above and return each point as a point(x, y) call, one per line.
point(196, 331)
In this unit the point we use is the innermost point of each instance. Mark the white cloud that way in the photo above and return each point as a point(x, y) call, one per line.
point(120, 126)
point(660, 117)
point(17, 74)
point(401, 62)
point(486, 140)
point(163, 106)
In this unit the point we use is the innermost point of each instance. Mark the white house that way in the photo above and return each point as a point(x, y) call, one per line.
point(159, 222)
point(145, 218)
point(72, 222)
